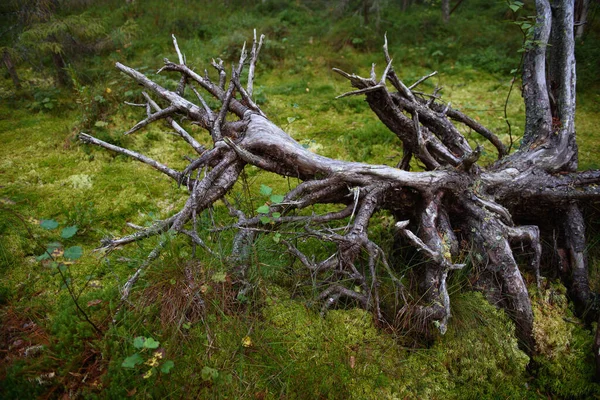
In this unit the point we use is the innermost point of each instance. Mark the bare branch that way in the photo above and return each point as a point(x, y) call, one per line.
point(140, 157)
point(133, 279)
point(167, 112)
point(421, 80)
point(182, 132)
point(157, 228)
point(177, 101)
point(179, 55)
point(253, 59)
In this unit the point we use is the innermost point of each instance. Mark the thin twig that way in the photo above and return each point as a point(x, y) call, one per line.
point(181, 60)
point(423, 79)
point(512, 84)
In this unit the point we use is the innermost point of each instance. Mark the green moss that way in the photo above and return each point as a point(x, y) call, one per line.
point(477, 358)
point(565, 365)
point(481, 351)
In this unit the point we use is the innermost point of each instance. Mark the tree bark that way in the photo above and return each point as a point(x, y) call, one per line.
point(11, 69)
point(446, 11)
point(581, 14)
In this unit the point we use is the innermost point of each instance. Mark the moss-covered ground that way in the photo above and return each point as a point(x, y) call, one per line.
point(274, 343)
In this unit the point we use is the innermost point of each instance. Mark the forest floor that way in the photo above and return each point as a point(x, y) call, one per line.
point(61, 196)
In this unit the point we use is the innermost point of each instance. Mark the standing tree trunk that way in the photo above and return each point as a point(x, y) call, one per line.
point(581, 13)
point(446, 11)
point(11, 69)
point(496, 211)
point(61, 74)
point(366, 10)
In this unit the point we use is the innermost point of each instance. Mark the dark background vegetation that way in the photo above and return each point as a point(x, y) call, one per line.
point(273, 344)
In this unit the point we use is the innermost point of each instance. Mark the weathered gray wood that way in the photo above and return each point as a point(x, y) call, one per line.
point(496, 209)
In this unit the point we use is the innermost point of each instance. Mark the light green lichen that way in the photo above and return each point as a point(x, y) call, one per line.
point(80, 181)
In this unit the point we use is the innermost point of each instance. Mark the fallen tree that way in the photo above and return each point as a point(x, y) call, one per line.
point(452, 206)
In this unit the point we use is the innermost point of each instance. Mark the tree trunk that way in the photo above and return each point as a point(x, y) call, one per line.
point(496, 211)
point(62, 77)
point(581, 15)
point(446, 11)
point(405, 4)
point(11, 69)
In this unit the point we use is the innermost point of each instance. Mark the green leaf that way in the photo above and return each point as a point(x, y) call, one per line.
point(277, 237)
point(73, 252)
point(62, 268)
point(265, 190)
point(68, 232)
point(138, 342)
point(276, 215)
point(276, 198)
point(48, 224)
point(167, 366)
point(265, 220)
point(53, 246)
point(209, 374)
point(514, 7)
point(150, 343)
point(290, 119)
point(132, 361)
point(263, 209)
point(44, 256)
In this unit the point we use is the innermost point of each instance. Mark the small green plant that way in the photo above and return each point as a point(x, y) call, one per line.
point(91, 102)
point(527, 26)
point(58, 258)
point(55, 250)
point(266, 216)
point(212, 375)
point(154, 360)
point(45, 100)
point(515, 5)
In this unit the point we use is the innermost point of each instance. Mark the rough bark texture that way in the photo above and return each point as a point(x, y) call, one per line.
point(453, 210)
